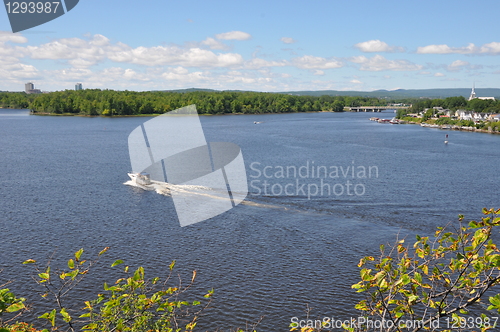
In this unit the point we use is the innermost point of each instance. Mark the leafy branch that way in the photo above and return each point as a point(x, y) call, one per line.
point(437, 277)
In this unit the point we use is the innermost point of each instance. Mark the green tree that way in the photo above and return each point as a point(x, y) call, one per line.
point(454, 103)
point(338, 106)
point(132, 303)
point(436, 279)
point(479, 105)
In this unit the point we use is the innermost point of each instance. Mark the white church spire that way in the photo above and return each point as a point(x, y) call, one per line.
point(473, 93)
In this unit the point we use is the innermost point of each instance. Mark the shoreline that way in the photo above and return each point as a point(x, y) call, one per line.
point(422, 124)
point(451, 127)
point(153, 115)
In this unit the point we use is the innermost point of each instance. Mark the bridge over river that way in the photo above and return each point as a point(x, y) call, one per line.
point(374, 108)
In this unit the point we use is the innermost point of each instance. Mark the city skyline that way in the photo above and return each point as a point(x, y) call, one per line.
point(258, 46)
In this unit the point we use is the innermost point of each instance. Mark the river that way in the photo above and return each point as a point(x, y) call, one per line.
point(271, 258)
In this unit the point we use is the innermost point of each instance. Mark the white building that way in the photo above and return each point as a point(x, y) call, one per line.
point(494, 117)
point(473, 95)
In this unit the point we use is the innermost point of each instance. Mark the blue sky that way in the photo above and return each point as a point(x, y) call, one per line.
point(258, 45)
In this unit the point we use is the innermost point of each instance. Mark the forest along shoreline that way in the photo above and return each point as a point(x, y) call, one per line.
point(448, 113)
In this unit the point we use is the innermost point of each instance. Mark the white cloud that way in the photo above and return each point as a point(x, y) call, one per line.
point(83, 53)
point(314, 62)
point(214, 44)
point(445, 49)
point(288, 40)
point(457, 65)
point(439, 75)
point(377, 46)
point(18, 71)
point(70, 74)
point(257, 63)
point(356, 81)
point(80, 53)
point(184, 77)
point(6, 36)
point(234, 35)
point(176, 56)
point(379, 63)
point(492, 48)
point(11, 67)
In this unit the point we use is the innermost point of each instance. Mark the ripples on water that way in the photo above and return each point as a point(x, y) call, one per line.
point(62, 189)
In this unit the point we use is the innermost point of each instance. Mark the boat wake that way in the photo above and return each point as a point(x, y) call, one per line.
point(167, 189)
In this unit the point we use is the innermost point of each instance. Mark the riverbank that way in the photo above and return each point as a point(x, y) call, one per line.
point(91, 116)
point(430, 124)
point(156, 114)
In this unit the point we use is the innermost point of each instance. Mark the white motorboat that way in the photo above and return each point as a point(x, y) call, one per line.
point(141, 180)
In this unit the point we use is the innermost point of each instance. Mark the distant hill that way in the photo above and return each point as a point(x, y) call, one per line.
point(403, 93)
point(390, 94)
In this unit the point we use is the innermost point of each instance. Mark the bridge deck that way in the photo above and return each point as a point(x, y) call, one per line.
point(375, 108)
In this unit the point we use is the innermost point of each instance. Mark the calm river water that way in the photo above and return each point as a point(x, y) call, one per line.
point(61, 189)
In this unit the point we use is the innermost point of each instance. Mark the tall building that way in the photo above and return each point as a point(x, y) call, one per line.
point(78, 86)
point(28, 87)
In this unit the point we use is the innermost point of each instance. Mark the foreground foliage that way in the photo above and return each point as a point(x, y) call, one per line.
point(442, 283)
point(132, 303)
point(439, 281)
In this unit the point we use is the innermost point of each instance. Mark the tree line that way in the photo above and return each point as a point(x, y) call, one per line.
point(454, 103)
point(110, 102)
point(96, 102)
point(116, 103)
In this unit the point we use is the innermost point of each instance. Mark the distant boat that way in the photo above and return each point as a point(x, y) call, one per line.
point(257, 122)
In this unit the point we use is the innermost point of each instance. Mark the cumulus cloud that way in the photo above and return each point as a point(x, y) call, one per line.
point(214, 44)
point(12, 37)
point(492, 48)
point(457, 65)
point(180, 74)
point(18, 71)
point(11, 67)
point(377, 46)
point(83, 53)
point(288, 40)
point(314, 62)
point(257, 63)
point(439, 75)
point(445, 49)
point(379, 63)
point(234, 35)
point(79, 52)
